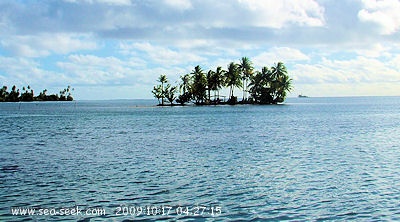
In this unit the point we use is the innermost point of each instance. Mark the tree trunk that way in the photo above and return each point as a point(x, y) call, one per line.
point(243, 90)
point(162, 94)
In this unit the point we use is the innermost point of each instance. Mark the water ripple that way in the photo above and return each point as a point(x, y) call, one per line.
point(325, 161)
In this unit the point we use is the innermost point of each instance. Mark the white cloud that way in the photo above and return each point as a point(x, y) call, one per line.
point(110, 2)
point(360, 76)
point(276, 14)
point(87, 70)
point(395, 62)
point(124, 43)
point(357, 70)
point(162, 55)
point(277, 54)
point(374, 51)
point(346, 89)
point(179, 4)
point(90, 69)
point(382, 12)
point(24, 71)
point(46, 44)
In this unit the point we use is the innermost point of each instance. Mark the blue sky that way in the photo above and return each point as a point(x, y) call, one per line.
point(116, 49)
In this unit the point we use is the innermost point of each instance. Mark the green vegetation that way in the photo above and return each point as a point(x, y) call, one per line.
point(27, 95)
point(267, 86)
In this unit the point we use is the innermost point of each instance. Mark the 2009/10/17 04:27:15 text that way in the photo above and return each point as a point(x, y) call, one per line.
point(168, 210)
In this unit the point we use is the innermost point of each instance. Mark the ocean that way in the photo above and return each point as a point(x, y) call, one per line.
point(307, 159)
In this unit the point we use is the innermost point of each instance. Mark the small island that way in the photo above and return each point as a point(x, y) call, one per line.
point(266, 86)
point(27, 95)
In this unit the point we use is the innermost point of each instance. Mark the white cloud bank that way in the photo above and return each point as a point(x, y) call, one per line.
point(385, 13)
point(110, 2)
point(330, 47)
point(276, 14)
point(47, 44)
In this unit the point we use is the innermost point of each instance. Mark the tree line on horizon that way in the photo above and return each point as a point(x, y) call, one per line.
point(27, 95)
point(266, 86)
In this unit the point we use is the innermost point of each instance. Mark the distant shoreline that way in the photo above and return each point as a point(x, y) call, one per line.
point(154, 100)
point(27, 95)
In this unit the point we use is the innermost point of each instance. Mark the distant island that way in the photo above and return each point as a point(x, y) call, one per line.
point(267, 86)
point(27, 95)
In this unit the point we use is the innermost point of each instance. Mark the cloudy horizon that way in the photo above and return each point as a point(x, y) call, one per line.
point(116, 49)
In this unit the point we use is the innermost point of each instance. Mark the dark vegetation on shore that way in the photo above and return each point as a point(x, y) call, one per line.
point(266, 86)
point(27, 95)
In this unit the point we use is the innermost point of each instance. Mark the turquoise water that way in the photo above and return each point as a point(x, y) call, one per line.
point(309, 159)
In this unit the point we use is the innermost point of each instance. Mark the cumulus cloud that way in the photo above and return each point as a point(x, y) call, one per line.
point(46, 44)
point(358, 70)
point(111, 2)
point(374, 51)
point(278, 54)
point(128, 43)
point(385, 13)
point(276, 14)
point(395, 62)
point(24, 71)
point(179, 4)
point(106, 17)
point(162, 55)
point(346, 89)
point(90, 69)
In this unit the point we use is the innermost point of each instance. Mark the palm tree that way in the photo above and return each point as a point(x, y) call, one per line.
point(185, 91)
point(13, 95)
point(284, 84)
point(246, 69)
point(183, 87)
point(266, 76)
point(199, 85)
point(69, 95)
point(232, 77)
point(260, 86)
point(157, 92)
point(3, 94)
point(170, 93)
point(278, 70)
point(27, 95)
point(210, 83)
point(162, 79)
point(278, 73)
point(42, 95)
point(218, 80)
point(268, 86)
point(256, 84)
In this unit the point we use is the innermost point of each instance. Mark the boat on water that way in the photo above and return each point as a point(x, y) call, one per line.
point(302, 96)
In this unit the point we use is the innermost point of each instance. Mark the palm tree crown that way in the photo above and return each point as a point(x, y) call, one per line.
point(162, 79)
point(218, 80)
point(246, 70)
point(199, 85)
point(232, 78)
point(184, 86)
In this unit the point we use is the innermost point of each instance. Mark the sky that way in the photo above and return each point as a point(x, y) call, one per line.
point(116, 49)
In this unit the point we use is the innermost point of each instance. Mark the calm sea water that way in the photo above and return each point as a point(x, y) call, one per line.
point(309, 159)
